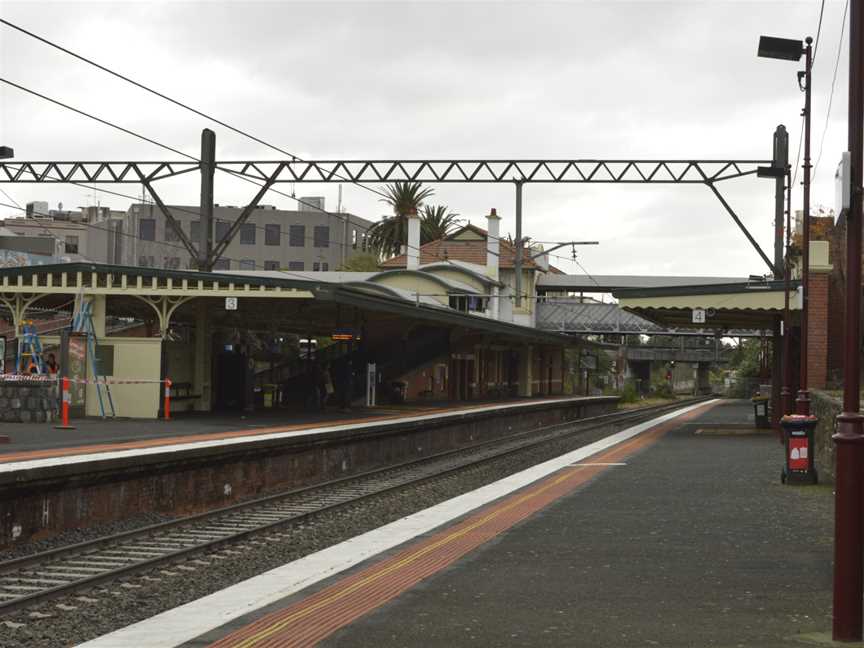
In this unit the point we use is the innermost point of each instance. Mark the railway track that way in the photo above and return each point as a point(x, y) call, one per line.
point(39, 577)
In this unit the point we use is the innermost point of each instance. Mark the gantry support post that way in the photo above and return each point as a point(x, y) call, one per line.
point(780, 161)
point(208, 169)
point(517, 262)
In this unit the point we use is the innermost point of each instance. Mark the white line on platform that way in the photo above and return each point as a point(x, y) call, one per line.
point(179, 625)
point(597, 464)
point(30, 464)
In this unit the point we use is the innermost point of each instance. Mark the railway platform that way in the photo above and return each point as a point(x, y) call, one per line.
point(674, 533)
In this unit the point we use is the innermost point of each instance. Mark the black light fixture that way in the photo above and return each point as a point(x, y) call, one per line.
point(786, 49)
point(6, 152)
point(770, 172)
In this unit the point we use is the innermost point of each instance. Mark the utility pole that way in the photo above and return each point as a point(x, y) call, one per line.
point(517, 262)
point(208, 169)
point(803, 401)
point(848, 539)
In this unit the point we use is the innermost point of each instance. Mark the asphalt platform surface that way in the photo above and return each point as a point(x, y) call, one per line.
point(693, 543)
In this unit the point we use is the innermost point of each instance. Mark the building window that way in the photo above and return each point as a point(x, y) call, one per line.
point(172, 263)
point(195, 231)
point(354, 239)
point(321, 236)
point(296, 265)
point(271, 265)
point(147, 229)
point(316, 267)
point(146, 261)
point(247, 264)
point(247, 234)
point(363, 242)
point(297, 235)
point(325, 266)
point(222, 264)
point(222, 228)
point(272, 234)
point(170, 235)
point(71, 245)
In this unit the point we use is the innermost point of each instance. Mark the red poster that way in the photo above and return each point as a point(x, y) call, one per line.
point(798, 453)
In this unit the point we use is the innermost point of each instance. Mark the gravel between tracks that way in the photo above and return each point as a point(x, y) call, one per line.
point(91, 613)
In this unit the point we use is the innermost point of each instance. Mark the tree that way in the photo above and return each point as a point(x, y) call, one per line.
point(436, 222)
point(389, 235)
point(363, 262)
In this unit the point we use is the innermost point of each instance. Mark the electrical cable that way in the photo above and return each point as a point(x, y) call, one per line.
point(162, 145)
point(833, 85)
point(175, 101)
point(818, 33)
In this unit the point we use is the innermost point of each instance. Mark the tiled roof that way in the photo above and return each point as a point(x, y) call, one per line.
point(470, 251)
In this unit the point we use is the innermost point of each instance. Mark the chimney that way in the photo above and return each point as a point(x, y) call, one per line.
point(493, 246)
point(413, 251)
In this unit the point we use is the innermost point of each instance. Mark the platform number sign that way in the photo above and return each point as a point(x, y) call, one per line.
point(698, 315)
point(230, 303)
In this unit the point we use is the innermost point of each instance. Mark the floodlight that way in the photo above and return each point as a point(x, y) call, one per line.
point(770, 172)
point(780, 48)
point(6, 152)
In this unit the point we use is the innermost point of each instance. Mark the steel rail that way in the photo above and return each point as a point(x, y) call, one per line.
point(21, 569)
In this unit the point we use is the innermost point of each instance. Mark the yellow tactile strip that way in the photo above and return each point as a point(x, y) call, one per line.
point(311, 620)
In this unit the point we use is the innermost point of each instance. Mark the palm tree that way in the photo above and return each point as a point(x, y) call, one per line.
point(436, 222)
point(389, 235)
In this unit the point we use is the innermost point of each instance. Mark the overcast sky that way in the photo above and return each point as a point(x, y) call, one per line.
point(438, 80)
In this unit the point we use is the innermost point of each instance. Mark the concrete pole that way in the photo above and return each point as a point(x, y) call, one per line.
point(848, 536)
point(208, 169)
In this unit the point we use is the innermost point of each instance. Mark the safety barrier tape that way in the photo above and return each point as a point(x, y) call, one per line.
point(79, 381)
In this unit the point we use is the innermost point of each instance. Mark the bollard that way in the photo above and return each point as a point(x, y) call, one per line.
point(65, 402)
point(167, 399)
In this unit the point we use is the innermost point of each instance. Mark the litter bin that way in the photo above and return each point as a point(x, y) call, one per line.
point(760, 412)
point(798, 467)
point(269, 392)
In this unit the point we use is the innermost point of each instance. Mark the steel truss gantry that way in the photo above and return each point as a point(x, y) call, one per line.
point(268, 173)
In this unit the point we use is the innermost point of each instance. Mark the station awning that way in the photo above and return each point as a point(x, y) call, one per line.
point(745, 305)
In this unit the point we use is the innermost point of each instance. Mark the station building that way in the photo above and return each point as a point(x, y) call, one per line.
point(224, 338)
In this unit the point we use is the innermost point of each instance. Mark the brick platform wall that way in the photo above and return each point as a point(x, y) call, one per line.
point(817, 331)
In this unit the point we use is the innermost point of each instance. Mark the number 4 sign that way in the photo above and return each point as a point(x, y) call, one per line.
point(698, 315)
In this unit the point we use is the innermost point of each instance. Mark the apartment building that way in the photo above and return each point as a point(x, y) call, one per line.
point(272, 239)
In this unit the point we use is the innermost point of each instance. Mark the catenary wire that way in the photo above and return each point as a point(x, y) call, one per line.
point(172, 149)
point(833, 86)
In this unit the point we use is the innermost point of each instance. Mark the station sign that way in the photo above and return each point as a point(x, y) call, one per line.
point(344, 334)
point(231, 303)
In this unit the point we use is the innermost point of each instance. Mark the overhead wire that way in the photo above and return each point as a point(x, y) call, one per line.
point(833, 86)
point(818, 32)
point(196, 111)
point(175, 101)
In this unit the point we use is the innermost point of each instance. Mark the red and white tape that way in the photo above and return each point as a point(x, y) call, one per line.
point(80, 381)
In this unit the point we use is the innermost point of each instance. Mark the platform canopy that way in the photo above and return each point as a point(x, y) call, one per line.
point(725, 306)
point(260, 301)
point(608, 283)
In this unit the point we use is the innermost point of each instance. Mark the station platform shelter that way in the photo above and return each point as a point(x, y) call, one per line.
point(244, 341)
point(757, 306)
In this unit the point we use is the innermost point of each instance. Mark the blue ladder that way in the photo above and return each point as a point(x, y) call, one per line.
point(82, 322)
